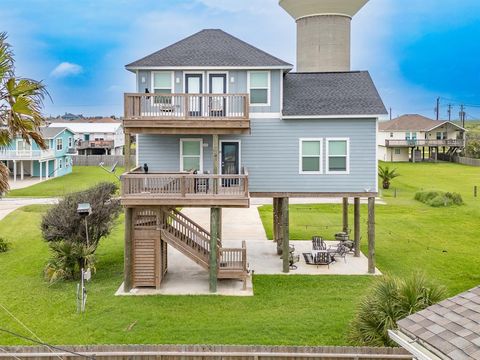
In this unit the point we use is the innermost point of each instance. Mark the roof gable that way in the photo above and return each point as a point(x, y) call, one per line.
point(331, 94)
point(209, 48)
point(53, 132)
point(413, 122)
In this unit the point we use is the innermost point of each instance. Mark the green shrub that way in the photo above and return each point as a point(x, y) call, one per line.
point(4, 245)
point(439, 198)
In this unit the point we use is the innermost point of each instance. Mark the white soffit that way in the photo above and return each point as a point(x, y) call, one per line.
point(302, 8)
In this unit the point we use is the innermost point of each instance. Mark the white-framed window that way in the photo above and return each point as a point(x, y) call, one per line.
point(391, 135)
point(162, 83)
point(338, 155)
point(259, 87)
point(23, 146)
point(70, 142)
point(59, 144)
point(311, 155)
point(191, 155)
point(397, 151)
point(411, 136)
point(60, 163)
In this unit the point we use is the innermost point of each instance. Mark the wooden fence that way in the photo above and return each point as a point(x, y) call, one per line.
point(95, 160)
point(459, 159)
point(203, 352)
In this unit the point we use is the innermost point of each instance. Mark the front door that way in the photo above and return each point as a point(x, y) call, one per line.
point(217, 85)
point(230, 162)
point(194, 85)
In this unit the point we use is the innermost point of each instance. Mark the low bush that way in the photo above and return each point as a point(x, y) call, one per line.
point(4, 245)
point(439, 198)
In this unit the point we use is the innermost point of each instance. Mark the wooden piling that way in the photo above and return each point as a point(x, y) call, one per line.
point(356, 226)
point(128, 145)
point(285, 234)
point(345, 215)
point(214, 230)
point(128, 251)
point(371, 235)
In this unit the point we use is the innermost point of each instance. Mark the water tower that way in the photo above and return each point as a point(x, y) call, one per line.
point(323, 32)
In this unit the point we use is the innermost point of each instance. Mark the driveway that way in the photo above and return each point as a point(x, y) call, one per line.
point(8, 205)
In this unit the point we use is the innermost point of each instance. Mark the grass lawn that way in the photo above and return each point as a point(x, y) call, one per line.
point(294, 310)
point(284, 310)
point(411, 235)
point(81, 178)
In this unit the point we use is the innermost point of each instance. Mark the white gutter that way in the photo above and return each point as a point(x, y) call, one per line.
point(412, 346)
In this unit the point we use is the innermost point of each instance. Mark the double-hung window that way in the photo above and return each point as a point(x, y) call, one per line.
point(70, 142)
point(191, 153)
point(60, 164)
point(259, 87)
point(338, 157)
point(59, 144)
point(311, 156)
point(162, 84)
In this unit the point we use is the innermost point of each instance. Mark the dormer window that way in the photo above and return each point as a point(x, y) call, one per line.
point(259, 87)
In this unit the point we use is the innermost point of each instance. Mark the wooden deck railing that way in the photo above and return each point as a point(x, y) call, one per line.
point(183, 185)
point(85, 144)
point(233, 259)
point(186, 106)
point(26, 154)
point(425, 142)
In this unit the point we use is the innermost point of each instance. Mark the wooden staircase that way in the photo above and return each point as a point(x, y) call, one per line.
point(189, 238)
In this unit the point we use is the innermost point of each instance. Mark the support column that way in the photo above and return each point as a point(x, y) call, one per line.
point(14, 171)
point(31, 168)
point(128, 144)
point(356, 226)
point(21, 170)
point(345, 215)
point(277, 234)
point(436, 154)
point(371, 235)
point(46, 169)
point(128, 251)
point(215, 156)
point(214, 227)
point(285, 234)
point(40, 169)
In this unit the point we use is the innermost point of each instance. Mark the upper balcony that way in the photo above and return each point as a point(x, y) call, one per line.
point(184, 189)
point(426, 142)
point(186, 113)
point(95, 144)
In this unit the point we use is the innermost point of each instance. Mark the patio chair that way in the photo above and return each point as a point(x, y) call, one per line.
point(318, 243)
point(340, 250)
point(323, 258)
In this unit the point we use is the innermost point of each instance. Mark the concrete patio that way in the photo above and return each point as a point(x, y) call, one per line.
point(185, 277)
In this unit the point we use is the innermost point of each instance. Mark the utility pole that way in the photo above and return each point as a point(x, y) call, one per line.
point(390, 113)
point(437, 109)
point(449, 112)
point(462, 115)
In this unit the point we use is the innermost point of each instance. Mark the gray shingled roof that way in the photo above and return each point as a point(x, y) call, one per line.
point(340, 93)
point(412, 122)
point(51, 132)
point(210, 47)
point(450, 328)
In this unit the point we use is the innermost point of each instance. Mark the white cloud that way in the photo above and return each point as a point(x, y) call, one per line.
point(253, 6)
point(66, 69)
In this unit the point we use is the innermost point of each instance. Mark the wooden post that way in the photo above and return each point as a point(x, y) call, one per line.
point(356, 226)
point(128, 252)
point(436, 154)
point(214, 227)
point(345, 215)
point(371, 235)
point(277, 224)
point(128, 145)
point(215, 155)
point(285, 234)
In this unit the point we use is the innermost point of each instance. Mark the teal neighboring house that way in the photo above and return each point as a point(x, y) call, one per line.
point(25, 159)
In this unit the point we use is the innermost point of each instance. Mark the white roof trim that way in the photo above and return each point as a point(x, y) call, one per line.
point(330, 116)
point(446, 122)
point(412, 346)
point(133, 68)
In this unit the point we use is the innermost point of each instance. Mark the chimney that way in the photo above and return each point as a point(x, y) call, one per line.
point(323, 32)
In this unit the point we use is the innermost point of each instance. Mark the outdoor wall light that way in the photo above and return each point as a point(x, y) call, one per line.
point(232, 79)
point(144, 80)
point(177, 80)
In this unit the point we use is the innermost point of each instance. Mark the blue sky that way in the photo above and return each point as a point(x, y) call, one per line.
point(415, 50)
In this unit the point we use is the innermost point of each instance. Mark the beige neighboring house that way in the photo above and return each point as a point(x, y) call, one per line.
point(417, 138)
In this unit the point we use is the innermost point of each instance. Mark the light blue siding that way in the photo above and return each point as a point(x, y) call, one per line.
point(271, 154)
point(238, 86)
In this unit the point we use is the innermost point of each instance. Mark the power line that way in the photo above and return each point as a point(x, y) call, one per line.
point(45, 344)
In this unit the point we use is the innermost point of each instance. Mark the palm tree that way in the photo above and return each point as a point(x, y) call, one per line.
point(387, 176)
point(390, 300)
point(21, 101)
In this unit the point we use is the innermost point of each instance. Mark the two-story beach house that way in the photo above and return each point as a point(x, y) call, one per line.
point(415, 138)
point(218, 121)
point(25, 159)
